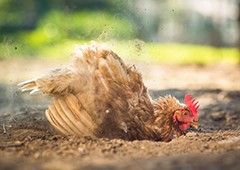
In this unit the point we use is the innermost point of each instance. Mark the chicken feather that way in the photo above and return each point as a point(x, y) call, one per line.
point(98, 95)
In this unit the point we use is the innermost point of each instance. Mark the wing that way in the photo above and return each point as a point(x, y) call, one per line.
point(96, 94)
point(67, 116)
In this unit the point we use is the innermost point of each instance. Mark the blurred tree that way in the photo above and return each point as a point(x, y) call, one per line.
point(16, 16)
point(154, 20)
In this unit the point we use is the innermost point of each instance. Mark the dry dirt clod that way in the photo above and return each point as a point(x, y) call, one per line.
point(4, 129)
point(216, 116)
point(12, 145)
point(192, 134)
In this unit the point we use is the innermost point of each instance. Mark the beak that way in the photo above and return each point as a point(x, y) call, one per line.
point(194, 124)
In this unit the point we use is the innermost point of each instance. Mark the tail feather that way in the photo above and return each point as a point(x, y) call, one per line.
point(29, 85)
point(66, 116)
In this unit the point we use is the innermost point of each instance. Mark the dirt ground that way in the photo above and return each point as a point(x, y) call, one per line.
point(27, 141)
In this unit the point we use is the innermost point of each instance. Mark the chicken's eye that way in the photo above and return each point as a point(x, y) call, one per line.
point(185, 113)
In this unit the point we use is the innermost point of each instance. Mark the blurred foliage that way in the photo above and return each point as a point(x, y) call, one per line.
point(138, 50)
point(30, 27)
point(80, 26)
point(85, 25)
point(50, 28)
point(17, 16)
point(176, 53)
point(193, 54)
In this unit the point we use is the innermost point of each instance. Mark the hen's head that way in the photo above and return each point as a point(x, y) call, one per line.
point(187, 114)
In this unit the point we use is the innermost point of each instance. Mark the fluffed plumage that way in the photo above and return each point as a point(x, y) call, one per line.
point(98, 95)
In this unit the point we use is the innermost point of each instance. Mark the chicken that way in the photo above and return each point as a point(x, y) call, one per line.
point(98, 95)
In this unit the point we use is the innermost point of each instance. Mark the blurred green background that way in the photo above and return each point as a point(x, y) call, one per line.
point(157, 30)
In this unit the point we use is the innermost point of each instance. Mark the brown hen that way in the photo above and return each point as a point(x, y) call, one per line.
point(98, 95)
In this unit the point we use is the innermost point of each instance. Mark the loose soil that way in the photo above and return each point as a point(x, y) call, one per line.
point(27, 141)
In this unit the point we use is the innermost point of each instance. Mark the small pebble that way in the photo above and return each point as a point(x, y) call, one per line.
point(192, 134)
point(81, 150)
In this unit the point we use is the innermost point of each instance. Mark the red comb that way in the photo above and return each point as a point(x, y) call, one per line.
point(193, 105)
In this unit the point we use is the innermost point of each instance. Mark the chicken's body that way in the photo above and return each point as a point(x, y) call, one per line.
point(98, 95)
